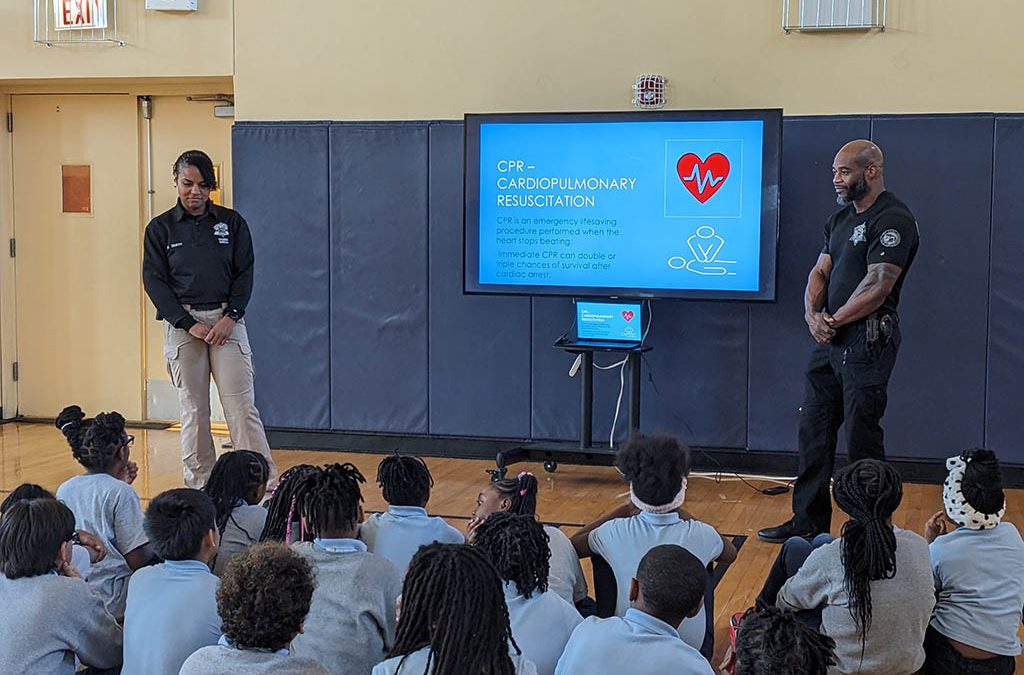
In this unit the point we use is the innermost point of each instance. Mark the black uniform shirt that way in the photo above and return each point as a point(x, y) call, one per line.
point(197, 260)
point(885, 233)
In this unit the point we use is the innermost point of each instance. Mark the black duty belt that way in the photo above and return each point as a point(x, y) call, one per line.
point(206, 306)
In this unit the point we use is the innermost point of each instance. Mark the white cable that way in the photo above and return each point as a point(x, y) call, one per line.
point(618, 403)
point(718, 477)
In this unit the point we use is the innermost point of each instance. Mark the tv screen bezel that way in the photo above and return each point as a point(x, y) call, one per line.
point(771, 171)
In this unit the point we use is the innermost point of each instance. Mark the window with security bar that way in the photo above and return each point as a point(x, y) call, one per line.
point(830, 15)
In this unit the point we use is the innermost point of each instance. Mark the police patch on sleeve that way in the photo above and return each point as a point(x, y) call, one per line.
point(890, 238)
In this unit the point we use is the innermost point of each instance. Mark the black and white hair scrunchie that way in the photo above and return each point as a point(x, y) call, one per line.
point(957, 508)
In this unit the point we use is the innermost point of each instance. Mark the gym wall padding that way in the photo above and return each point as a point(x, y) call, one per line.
point(379, 294)
point(358, 320)
point(281, 184)
point(479, 376)
point(1005, 405)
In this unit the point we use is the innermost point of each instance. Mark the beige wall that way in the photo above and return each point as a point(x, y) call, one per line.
point(159, 44)
point(366, 59)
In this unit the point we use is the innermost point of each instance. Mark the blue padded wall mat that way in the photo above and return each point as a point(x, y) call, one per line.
point(1005, 403)
point(378, 251)
point(779, 342)
point(942, 168)
point(280, 186)
point(697, 389)
point(479, 360)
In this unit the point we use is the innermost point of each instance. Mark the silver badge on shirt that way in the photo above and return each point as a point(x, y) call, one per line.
point(858, 234)
point(220, 230)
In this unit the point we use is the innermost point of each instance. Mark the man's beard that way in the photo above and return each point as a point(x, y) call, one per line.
point(854, 192)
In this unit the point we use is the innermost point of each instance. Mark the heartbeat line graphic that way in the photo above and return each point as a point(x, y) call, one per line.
point(703, 181)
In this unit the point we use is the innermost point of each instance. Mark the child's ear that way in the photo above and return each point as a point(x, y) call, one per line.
point(506, 504)
point(212, 539)
point(362, 516)
point(634, 590)
point(63, 555)
point(696, 609)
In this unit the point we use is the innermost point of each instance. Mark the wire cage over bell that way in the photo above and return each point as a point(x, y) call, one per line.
point(649, 91)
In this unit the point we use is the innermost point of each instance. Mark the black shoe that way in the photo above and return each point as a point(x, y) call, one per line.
point(780, 533)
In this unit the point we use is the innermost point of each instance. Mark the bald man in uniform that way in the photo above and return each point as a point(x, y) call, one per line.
point(850, 310)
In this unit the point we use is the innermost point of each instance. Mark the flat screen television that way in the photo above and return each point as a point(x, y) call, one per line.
point(657, 204)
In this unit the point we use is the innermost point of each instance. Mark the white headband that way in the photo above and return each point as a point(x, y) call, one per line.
point(676, 502)
point(962, 513)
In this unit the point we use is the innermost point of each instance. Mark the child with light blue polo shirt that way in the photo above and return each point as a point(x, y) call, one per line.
point(656, 468)
point(667, 588)
point(979, 573)
point(541, 620)
point(398, 533)
point(351, 623)
point(172, 607)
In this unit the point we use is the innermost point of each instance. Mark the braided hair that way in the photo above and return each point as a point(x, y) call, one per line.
point(655, 466)
point(236, 477)
point(94, 442)
point(330, 498)
point(518, 548)
point(869, 492)
point(282, 509)
point(451, 598)
point(774, 641)
point(521, 490)
point(405, 480)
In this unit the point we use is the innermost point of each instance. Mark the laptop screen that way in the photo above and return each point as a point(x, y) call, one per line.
point(618, 321)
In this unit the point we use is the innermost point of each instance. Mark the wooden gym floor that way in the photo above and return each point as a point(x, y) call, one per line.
point(572, 496)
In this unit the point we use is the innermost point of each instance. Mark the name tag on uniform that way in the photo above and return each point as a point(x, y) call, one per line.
point(174, 245)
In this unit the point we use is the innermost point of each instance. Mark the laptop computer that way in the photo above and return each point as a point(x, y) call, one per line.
point(606, 324)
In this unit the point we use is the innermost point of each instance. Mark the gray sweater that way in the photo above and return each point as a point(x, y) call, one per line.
point(351, 622)
point(222, 660)
point(901, 608)
point(245, 524)
point(47, 621)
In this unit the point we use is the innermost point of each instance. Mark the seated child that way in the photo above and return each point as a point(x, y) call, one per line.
point(398, 533)
point(88, 547)
point(873, 585)
point(351, 623)
point(519, 495)
point(50, 616)
point(171, 609)
point(263, 598)
point(656, 468)
point(979, 573)
point(236, 486)
point(668, 587)
point(104, 502)
point(453, 618)
point(541, 620)
point(283, 522)
point(774, 641)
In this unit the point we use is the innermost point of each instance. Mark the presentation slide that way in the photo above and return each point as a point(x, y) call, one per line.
point(633, 205)
point(608, 321)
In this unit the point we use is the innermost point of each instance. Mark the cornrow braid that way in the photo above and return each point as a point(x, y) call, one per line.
point(451, 598)
point(518, 548)
point(331, 498)
point(282, 509)
point(522, 490)
point(94, 442)
point(869, 491)
point(236, 477)
point(774, 641)
point(404, 480)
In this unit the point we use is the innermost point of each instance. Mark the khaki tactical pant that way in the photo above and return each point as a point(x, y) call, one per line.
point(190, 362)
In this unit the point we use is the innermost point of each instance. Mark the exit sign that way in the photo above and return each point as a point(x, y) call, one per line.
point(80, 14)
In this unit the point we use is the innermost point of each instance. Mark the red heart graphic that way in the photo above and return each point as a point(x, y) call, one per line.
point(627, 314)
point(703, 178)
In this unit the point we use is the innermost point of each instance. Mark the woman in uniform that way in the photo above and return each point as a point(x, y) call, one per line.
point(198, 270)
